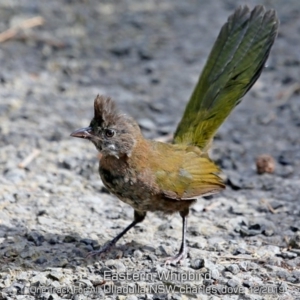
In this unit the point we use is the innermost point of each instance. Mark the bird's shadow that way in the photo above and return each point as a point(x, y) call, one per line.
point(36, 250)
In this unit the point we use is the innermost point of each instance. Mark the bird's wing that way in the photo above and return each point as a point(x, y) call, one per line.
point(195, 176)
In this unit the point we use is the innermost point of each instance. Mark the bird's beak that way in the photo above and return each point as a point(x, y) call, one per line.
point(84, 133)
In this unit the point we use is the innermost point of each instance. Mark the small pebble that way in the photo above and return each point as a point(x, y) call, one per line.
point(234, 269)
point(265, 163)
point(131, 297)
point(115, 264)
point(41, 260)
point(288, 254)
point(197, 264)
point(56, 275)
point(147, 124)
point(232, 283)
point(70, 239)
point(137, 254)
point(295, 241)
point(39, 279)
point(35, 237)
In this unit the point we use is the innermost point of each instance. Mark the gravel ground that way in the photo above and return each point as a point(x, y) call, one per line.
point(147, 56)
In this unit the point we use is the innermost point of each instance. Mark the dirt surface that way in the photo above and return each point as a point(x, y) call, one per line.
point(147, 55)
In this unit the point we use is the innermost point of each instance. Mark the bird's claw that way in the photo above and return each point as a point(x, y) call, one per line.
point(179, 258)
point(101, 251)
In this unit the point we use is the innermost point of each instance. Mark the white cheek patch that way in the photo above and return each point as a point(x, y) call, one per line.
point(112, 149)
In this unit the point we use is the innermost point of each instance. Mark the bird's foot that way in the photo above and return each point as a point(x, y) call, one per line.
point(178, 258)
point(101, 251)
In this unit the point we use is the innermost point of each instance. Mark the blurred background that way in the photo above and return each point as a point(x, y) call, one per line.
point(146, 55)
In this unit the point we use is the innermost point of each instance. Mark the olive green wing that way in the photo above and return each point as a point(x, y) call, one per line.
point(196, 176)
point(234, 64)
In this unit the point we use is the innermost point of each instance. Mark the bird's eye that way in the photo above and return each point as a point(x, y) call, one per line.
point(109, 133)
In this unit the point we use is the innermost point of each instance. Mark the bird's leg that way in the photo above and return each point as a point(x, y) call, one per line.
point(181, 255)
point(138, 217)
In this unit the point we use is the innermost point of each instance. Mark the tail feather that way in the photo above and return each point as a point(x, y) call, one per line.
point(234, 64)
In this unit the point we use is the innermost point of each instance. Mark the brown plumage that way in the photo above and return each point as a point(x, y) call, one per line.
point(154, 176)
point(148, 175)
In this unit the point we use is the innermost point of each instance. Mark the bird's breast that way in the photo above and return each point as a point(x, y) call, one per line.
point(132, 187)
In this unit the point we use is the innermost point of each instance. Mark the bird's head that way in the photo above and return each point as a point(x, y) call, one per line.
point(112, 133)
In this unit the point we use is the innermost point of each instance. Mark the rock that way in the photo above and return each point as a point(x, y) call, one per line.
point(176, 297)
point(240, 250)
point(152, 257)
point(56, 275)
point(295, 241)
point(78, 252)
point(39, 280)
point(19, 287)
point(80, 297)
point(234, 269)
point(258, 226)
point(159, 296)
point(69, 163)
point(145, 54)
point(131, 297)
point(232, 283)
point(87, 241)
point(28, 252)
point(35, 237)
point(288, 254)
point(296, 274)
point(137, 254)
point(195, 230)
point(54, 297)
point(56, 284)
point(246, 232)
point(285, 159)
point(291, 279)
point(6, 280)
point(282, 273)
point(160, 251)
point(59, 262)
point(121, 49)
point(11, 291)
point(214, 273)
point(46, 221)
point(85, 283)
point(147, 124)
point(265, 163)
point(41, 260)
point(70, 239)
point(268, 251)
point(197, 264)
point(115, 264)
point(234, 180)
point(22, 276)
point(15, 175)
point(156, 106)
point(209, 264)
point(243, 265)
point(247, 283)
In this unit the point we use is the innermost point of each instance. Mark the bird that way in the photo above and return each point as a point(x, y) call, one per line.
point(169, 177)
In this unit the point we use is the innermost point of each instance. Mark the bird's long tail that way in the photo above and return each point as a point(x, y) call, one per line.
point(234, 64)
